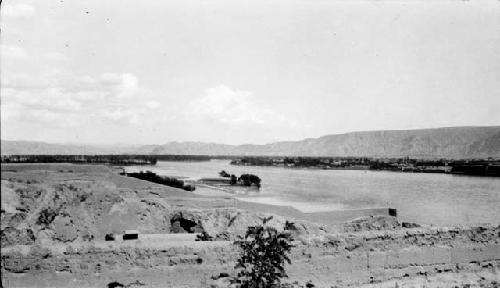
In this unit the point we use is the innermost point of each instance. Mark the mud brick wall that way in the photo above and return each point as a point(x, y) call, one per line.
point(96, 260)
point(358, 268)
point(351, 258)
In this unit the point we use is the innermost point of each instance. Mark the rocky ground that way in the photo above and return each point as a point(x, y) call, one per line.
point(55, 218)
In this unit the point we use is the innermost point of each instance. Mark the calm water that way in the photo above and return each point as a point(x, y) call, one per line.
point(423, 198)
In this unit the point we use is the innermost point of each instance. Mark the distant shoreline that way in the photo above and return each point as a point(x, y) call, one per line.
point(477, 167)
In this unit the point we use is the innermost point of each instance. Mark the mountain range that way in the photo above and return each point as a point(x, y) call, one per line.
point(449, 142)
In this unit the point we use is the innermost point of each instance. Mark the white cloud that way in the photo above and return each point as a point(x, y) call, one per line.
point(152, 104)
point(21, 81)
point(230, 106)
point(110, 78)
point(39, 116)
point(53, 97)
point(56, 56)
point(134, 120)
point(128, 86)
point(18, 11)
point(13, 52)
point(124, 85)
point(114, 115)
point(123, 115)
point(9, 111)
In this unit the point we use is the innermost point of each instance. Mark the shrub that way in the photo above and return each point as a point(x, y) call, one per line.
point(263, 255)
point(83, 196)
point(188, 187)
point(204, 236)
point(46, 216)
point(115, 284)
point(245, 179)
point(168, 181)
point(224, 174)
point(109, 237)
point(233, 180)
point(249, 179)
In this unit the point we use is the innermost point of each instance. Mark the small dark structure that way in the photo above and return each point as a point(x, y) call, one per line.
point(109, 237)
point(131, 235)
point(393, 212)
point(409, 225)
point(115, 284)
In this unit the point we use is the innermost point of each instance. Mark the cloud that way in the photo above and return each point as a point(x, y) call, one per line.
point(59, 99)
point(56, 56)
point(125, 85)
point(128, 86)
point(229, 106)
point(13, 52)
point(47, 117)
point(9, 111)
point(153, 104)
point(127, 115)
point(47, 106)
point(18, 11)
point(114, 115)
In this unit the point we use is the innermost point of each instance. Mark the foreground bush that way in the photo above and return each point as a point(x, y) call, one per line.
point(263, 255)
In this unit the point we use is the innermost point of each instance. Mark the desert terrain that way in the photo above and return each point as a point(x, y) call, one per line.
point(55, 218)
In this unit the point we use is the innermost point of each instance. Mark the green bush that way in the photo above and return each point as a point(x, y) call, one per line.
point(263, 255)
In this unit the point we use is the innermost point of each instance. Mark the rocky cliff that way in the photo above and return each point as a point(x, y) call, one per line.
point(453, 142)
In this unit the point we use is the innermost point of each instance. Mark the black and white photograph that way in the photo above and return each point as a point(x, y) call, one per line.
point(250, 144)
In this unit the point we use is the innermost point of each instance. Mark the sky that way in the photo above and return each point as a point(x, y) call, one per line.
point(234, 72)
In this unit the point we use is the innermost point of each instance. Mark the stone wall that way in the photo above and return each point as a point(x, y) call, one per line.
point(347, 259)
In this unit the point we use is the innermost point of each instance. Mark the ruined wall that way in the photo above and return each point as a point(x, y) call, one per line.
point(345, 258)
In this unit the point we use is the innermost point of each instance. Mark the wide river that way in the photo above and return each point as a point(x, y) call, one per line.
point(440, 199)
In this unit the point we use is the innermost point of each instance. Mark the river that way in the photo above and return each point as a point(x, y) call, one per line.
point(440, 199)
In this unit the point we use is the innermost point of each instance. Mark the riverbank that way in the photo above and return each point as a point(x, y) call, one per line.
point(475, 167)
point(89, 201)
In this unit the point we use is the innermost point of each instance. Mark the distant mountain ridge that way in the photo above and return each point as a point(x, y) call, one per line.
point(449, 142)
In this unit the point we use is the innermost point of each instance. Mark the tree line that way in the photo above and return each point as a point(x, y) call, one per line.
point(244, 179)
point(155, 178)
